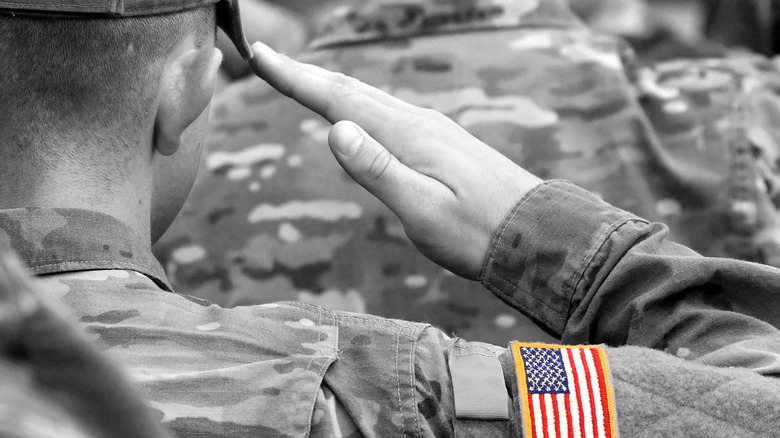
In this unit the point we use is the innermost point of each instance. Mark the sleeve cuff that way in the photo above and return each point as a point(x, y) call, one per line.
point(539, 256)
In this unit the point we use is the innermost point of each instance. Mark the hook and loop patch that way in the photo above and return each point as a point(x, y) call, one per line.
point(564, 391)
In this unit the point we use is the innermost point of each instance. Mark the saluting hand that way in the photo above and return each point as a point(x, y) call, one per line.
point(450, 190)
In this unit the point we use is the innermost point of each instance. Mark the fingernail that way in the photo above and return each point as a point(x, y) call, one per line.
point(348, 140)
point(266, 52)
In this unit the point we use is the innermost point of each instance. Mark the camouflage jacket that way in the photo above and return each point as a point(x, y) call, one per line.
point(294, 369)
point(54, 383)
point(717, 179)
point(273, 211)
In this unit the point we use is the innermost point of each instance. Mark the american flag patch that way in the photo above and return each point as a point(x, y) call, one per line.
point(564, 391)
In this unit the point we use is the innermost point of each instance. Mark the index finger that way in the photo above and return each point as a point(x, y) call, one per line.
point(335, 96)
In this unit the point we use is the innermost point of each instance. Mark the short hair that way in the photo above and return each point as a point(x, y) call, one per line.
point(85, 80)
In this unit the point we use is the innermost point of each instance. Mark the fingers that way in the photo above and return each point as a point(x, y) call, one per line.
point(338, 97)
point(372, 166)
point(332, 95)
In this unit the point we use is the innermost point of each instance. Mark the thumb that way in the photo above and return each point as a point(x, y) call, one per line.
point(376, 169)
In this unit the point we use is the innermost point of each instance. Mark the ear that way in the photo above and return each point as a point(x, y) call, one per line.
point(186, 88)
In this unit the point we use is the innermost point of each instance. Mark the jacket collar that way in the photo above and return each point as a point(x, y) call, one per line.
point(59, 240)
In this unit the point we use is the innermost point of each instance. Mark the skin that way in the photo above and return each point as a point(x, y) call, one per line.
point(162, 168)
point(281, 28)
point(450, 190)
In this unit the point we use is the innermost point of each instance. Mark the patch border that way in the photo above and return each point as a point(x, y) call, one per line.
point(522, 385)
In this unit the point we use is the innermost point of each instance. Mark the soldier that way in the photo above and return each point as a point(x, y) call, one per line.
point(322, 239)
point(99, 172)
point(645, 25)
point(717, 121)
point(330, 244)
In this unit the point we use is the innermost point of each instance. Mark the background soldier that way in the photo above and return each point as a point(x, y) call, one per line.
point(271, 211)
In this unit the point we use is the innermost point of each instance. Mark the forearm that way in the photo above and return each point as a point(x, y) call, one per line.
point(655, 394)
point(605, 276)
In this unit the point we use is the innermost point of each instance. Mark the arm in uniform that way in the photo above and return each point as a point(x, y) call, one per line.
point(688, 345)
point(394, 378)
point(603, 276)
point(53, 381)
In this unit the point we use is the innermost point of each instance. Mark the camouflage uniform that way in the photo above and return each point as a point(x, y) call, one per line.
point(53, 382)
point(273, 217)
point(294, 369)
point(717, 181)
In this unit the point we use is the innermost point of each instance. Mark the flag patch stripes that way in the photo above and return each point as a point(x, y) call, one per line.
point(564, 391)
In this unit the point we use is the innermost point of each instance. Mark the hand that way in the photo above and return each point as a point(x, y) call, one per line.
point(450, 190)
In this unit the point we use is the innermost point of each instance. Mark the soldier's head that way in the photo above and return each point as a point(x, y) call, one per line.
point(105, 99)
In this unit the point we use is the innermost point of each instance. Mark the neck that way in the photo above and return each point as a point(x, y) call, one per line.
point(83, 187)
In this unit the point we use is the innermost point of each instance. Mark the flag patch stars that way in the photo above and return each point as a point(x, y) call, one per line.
point(545, 373)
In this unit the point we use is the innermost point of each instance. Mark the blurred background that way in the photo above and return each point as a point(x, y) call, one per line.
point(668, 109)
point(656, 29)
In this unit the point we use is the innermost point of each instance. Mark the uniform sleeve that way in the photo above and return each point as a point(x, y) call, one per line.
point(600, 277)
point(53, 381)
point(605, 276)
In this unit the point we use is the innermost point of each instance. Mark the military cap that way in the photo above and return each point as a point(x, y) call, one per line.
point(228, 15)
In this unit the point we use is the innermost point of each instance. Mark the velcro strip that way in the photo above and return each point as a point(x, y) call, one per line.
point(478, 382)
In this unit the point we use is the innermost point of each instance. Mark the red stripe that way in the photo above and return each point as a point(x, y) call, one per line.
point(531, 409)
point(603, 391)
point(577, 391)
point(544, 415)
point(570, 419)
point(590, 391)
point(557, 415)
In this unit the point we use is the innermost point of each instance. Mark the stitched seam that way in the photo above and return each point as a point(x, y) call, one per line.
point(487, 265)
point(123, 266)
point(101, 7)
point(397, 328)
point(370, 321)
point(412, 378)
point(300, 383)
point(55, 216)
point(473, 354)
point(458, 351)
point(183, 4)
point(587, 259)
point(398, 381)
point(86, 262)
point(578, 277)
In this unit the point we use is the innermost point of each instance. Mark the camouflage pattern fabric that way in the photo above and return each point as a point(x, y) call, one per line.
point(249, 371)
point(717, 184)
point(644, 24)
point(293, 369)
point(53, 381)
point(272, 216)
